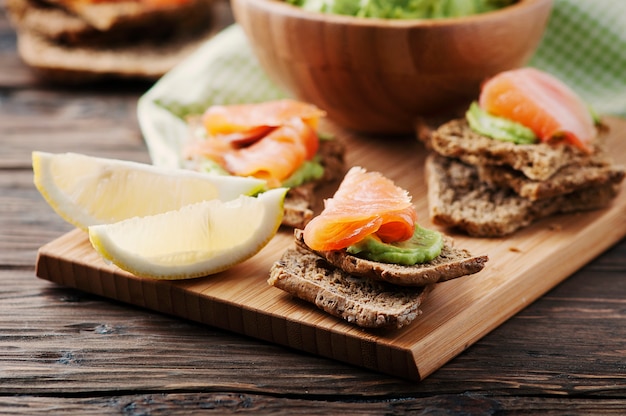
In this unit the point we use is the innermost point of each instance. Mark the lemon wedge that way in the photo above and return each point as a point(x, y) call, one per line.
point(86, 190)
point(193, 241)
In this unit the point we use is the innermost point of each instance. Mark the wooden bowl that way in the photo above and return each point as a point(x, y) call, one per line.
point(379, 75)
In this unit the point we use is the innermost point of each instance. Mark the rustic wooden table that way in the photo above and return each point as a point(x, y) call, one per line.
point(64, 351)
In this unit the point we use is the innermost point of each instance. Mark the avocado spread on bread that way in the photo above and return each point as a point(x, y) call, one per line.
point(498, 128)
point(422, 247)
point(403, 9)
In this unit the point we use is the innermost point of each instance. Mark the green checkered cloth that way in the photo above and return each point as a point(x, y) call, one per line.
point(222, 71)
point(585, 46)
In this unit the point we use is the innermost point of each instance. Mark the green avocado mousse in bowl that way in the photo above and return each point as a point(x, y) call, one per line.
point(403, 9)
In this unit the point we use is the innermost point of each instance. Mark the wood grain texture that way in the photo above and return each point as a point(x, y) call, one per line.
point(521, 268)
point(64, 351)
point(238, 403)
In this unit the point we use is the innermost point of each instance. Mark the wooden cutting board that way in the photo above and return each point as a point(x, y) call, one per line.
point(457, 313)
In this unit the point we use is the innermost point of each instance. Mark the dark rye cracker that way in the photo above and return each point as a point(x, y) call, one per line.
point(78, 64)
point(458, 198)
point(538, 161)
point(123, 14)
point(365, 302)
point(300, 200)
point(597, 171)
point(146, 43)
point(452, 263)
point(62, 27)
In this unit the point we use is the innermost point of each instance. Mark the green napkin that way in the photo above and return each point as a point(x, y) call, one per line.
point(585, 46)
point(222, 71)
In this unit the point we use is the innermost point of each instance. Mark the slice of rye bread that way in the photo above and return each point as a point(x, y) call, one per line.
point(457, 198)
point(597, 171)
point(298, 205)
point(74, 65)
point(46, 20)
point(60, 26)
point(365, 302)
point(452, 263)
point(109, 15)
point(536, 161)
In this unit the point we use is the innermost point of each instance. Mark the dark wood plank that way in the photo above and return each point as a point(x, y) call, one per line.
point(247, 403)
point(98, 122)
point(14, 72)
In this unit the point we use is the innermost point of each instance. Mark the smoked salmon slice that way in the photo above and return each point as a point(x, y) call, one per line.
point(243, 123)
point(269, 140)
point(542, 103)
point(365, 203)
point(276, 156)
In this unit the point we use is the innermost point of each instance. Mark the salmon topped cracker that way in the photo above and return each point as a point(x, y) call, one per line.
point(277, 141)
point(268, 140)
point(529, 148)
point(365, 259)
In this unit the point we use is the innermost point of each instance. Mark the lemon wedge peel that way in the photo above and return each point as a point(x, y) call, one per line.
point(197, 240)
point(86, 190)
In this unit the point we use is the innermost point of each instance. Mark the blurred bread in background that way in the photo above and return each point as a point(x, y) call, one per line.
point(75, 41)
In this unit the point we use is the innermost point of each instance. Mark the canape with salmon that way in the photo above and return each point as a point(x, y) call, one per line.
point(277, 141)
point(366, 259)
point(527, 148)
